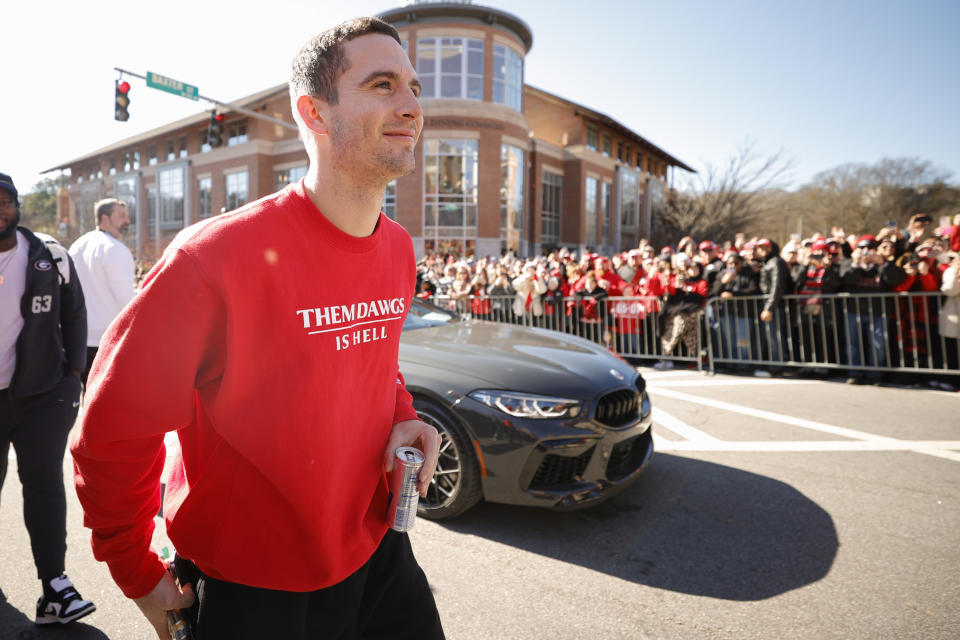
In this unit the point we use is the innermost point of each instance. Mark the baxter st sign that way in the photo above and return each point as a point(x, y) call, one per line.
point(170, 85)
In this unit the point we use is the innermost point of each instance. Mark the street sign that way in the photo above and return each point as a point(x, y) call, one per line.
point(170, 85)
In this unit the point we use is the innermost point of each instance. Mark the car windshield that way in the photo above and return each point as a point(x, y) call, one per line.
point(423, 314)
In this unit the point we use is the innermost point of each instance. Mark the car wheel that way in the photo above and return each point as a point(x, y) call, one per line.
point(456, 483)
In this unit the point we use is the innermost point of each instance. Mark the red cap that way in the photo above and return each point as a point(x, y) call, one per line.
point(764, 242)
point(666, 249)
point(818, 245)
point(707, 245)
point(867, 241)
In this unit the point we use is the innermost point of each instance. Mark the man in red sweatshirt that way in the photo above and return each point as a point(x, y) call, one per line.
point(254, 340)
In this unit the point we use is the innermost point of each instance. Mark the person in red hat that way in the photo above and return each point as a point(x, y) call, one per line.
point(817, 317)
point(708, 255)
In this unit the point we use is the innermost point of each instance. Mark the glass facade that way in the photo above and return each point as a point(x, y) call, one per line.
point(551, 209)
point(605, 190)
point(389, 204)
point(204, 195)
point(450, 67)
point(237, 133)
point(629, 197)
point(450, 195)
point(238, 190)
point(590, 213)
point(125, 188)
point(507, 77)
point(512, 197)
point(283, 177)
point(170, 188)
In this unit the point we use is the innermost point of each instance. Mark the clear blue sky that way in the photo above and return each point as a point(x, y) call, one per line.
point(825, 82)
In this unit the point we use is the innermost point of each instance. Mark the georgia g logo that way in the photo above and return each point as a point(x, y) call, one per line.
point(42, 265)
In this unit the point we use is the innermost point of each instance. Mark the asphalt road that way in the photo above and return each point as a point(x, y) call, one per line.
point(772, 509)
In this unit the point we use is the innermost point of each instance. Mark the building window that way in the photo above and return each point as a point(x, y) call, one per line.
point(125, 188)
point(170, 185)
point(605, 189)
point(620, 151)
point(183, 146)
point(204, 142)
point(170, 155)
point(237, 132)
point(590, 209)
point(93, 172)
point(151, 208)
point(639, 160)
point(113, 166)
point(127, 162)
point(237, 189)
point(507, 77)
point(552, 206)
point(389, 205)
point(450, 67)
point(592, 137)
point(450, 196)
point(606, 144)
point(629, 198)
point(629, 155)
point(99, 170)
point(204, 197)
point(284, 177)
point(136, 158)
point(511, 197)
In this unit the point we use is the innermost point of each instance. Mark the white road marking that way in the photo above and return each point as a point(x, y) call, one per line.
point(771, 416)
point(697, 440)
point(724, 382)
point(680, 428)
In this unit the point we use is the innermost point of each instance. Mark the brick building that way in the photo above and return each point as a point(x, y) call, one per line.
point(500, 165)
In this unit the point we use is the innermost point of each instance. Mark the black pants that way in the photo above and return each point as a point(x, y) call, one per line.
point(387, 598)
point(38, 427)
point(91, 354)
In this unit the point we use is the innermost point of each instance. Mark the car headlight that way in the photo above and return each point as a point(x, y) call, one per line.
point(526, 405)
point(645, 405)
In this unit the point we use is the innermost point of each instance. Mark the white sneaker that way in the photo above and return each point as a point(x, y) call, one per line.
point(664, 365)
point(66, 606)
point(761, 373)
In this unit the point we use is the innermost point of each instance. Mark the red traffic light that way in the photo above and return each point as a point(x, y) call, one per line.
point(123, 87)
point(218, 117)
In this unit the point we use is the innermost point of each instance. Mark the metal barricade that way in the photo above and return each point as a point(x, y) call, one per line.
point(887, 332)
point(854, 332)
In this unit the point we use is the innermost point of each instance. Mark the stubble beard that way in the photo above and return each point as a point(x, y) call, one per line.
point(362, 167)
point(12, 227)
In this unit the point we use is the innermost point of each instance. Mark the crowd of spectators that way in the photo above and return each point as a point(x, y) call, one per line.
point(607, 298)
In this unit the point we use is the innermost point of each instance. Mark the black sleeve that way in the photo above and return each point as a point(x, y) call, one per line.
point(73, 321)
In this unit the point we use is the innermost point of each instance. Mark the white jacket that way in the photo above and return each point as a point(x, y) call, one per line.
point(106, 270)
point(524, 285)
point(950, 311)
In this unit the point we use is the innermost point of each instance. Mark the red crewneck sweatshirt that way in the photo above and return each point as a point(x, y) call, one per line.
point(255, 338)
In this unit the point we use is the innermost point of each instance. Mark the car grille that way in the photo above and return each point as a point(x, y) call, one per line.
point(626, 457)
point(618, 408)
point(556, 469)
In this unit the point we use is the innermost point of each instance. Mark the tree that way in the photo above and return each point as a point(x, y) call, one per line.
point(723, 201)
point(39, 207)
point(862, 198)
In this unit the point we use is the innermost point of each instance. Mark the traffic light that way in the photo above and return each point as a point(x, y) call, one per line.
point(215, 130)
point(121, 101)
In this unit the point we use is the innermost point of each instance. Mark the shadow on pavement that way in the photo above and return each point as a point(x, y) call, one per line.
point(687, 525)
point(15, 625)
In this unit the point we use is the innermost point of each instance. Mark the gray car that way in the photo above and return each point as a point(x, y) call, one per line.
point(527, 416)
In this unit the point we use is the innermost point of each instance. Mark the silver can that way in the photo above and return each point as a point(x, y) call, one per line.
point(402, 508)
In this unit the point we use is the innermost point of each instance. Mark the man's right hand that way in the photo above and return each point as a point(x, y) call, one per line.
point(166, 596)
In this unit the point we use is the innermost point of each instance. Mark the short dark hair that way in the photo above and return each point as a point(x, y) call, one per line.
point(105, 207)
point(320, 62)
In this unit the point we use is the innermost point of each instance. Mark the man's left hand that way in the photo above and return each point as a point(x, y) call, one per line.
point(415, 433)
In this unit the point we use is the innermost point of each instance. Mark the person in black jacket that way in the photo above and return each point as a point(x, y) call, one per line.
point(43, 347)
point(868, 272)
point(736, 317)
point(816, 317)
point(775, 282)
